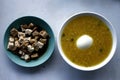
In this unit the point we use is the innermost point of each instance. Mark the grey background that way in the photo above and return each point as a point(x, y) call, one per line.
point(55, 12)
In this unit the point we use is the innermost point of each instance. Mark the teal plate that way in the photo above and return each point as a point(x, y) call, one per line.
point(37, 21)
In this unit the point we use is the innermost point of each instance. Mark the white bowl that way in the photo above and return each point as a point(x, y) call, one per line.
point(114, 37)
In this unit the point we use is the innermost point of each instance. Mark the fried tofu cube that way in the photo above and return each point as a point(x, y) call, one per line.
point(28, 31)
point(35, 55)
point(26, 57)
point(37, 37)
point(44, 34)
point(33, 41)
point(24, 44)
point(21, 34)
point(43, 40)
point(11, 46)
point(30, 48)
point(14, 32)
point(35, 33)
point(23, 27)
point(21, 39)
point(20, 52)
point(31, 25)
point(17, 44)
point(11, 39)
point(27, 39)
point(38, 45)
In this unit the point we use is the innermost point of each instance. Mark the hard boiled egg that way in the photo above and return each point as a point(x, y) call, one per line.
point(84, 41)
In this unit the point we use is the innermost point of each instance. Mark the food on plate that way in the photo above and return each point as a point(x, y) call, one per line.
point(87, 50)
point(28, 42)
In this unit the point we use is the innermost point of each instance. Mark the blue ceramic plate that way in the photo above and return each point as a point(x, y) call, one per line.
point(37, 21)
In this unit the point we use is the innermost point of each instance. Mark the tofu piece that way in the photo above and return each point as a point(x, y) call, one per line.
point(14, 32)
point(38, 45)
point(43, 40)
point(31, 25)
point(20, 52)
point(23, 27)
point(35, 55)
point(26, 57)
point(27, 39)
point(37, 37)
point(35, 33)
point(11, 46)
point(11, 39)
point(17, 44)
point(44, 34)
point(36, 48)
point(33, 41)
point(30, 48)
point(21, 39)
point(21, 34)
point(28, 31)
point(24, 44)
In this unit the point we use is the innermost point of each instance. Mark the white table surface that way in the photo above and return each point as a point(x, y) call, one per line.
point(55, 12)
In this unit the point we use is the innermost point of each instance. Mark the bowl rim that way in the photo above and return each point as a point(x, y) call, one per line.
point(29, 64)
point(114, 42)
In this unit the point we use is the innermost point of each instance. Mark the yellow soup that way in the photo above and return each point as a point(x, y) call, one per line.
point(94, 27)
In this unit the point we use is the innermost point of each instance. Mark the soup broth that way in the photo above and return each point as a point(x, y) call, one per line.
point(94, 27)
